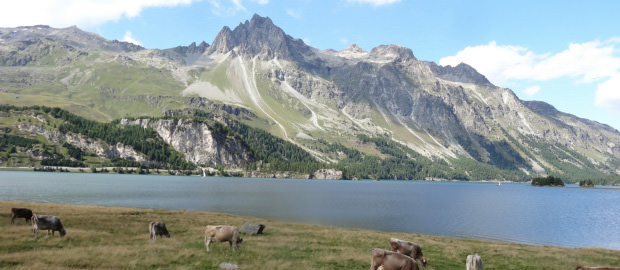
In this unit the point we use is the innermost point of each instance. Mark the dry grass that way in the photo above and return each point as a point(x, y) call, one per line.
point(117, 238)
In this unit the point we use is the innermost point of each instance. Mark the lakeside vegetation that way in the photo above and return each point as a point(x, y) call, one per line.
point(95, 235)
point(551, 181)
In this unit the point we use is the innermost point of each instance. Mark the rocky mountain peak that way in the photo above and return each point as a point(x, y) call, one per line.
point(259, 36)
point(70, 36)
point(353, 51)
point(460, 73)
point(391, 53)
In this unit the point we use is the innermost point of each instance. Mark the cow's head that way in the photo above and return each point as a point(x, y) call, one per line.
point(424, 261)
point(62, 232)
point(239, 241)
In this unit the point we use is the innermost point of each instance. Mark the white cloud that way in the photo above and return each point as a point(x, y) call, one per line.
point(238, 4)
point(530, 91)
point(293, 13)
point(129, 38)
point(587, 62)
point(231, 7)
point(84, 13)
point(374, 2)
point(608, 94)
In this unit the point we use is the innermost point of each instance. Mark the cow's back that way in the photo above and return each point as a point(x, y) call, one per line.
point(390, 260)
point(222, 233)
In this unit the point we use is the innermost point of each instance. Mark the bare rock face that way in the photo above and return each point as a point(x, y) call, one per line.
point(85, 144)
point(328, 174)
point(198, 141)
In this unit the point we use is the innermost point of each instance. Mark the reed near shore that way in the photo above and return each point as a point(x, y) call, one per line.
point(118, 238)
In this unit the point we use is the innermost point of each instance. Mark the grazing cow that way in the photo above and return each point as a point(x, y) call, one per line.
point(410, 249)
point(596, 268)
point(390, 260)
point(49, 223)
point(20, 213)
point(157, 228)
point(474, 262)
point(222, 233)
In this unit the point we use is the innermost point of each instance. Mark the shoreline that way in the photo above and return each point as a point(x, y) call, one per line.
point(284, 245)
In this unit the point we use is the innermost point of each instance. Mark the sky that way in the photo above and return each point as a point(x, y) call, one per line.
point(566, 53)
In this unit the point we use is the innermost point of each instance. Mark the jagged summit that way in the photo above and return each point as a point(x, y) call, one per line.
point(389, 53)
point(259, 36)
point(353, 51)
point(460, 73)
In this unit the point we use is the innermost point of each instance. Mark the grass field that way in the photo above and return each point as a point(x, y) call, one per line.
point(117, 238)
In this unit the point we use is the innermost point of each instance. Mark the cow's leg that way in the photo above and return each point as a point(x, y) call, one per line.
point(12, 219)
point(208, 243)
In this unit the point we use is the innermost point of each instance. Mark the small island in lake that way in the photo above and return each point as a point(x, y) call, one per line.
point(547, 181)
point(586, 183)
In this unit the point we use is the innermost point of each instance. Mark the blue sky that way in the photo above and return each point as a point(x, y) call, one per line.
point(566, 53)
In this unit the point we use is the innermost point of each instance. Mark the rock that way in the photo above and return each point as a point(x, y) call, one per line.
point(328, 174)
point(252, 228)
point(226, 265)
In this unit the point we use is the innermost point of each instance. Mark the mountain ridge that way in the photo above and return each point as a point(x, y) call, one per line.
point(309, 96)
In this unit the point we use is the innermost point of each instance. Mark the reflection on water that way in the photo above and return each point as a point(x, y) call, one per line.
point(570, 217)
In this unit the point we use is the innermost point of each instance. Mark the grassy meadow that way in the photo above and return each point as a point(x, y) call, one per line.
point(117, 238)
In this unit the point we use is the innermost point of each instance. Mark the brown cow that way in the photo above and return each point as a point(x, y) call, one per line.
point(390, 260)
point(410, 249)
point(20, 213)
point(222, 233)
point(596, 268)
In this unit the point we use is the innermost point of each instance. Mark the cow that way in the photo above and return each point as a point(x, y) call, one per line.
point(474, 262)
point(390, 260)
point(20, 213)
point(223, 233)
point(596, 268)
point(157, 228)
point(49, 223)
point(410, 249)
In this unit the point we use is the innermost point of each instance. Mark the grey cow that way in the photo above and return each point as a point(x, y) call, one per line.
point(157, 228)
point(49, 223)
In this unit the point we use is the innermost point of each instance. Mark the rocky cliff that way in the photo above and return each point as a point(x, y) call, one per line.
point(198, 141)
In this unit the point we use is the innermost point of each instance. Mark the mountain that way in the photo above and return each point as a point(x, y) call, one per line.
point(385, 103)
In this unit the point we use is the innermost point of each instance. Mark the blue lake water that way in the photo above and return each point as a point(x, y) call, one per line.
point(569, 217)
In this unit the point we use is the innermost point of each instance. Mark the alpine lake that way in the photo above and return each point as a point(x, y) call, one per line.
point(510, 212)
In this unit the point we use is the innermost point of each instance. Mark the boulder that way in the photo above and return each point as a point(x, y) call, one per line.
point(251, 228)
point(228, 266)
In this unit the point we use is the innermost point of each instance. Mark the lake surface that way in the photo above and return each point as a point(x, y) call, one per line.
point(569, 217)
